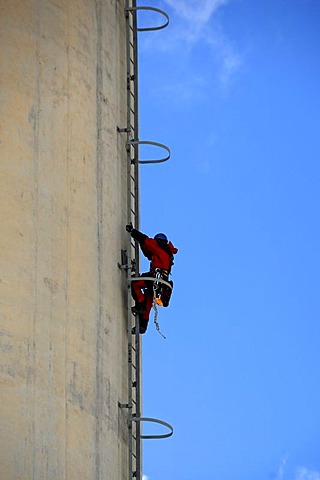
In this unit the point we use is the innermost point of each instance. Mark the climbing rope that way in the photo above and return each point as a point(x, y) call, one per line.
point(155, 308)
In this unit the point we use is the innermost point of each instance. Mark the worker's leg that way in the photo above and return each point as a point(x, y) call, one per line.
point(166, 294)
point(144, 318)
point(136, 291)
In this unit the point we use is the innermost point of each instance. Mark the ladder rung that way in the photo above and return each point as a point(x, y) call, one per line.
point(133, 211)
point(132, 110)
point(132, 178)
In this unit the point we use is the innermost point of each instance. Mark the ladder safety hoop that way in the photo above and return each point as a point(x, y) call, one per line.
point(149, 279)
point(154, 420)
point(152, 9)
point(155, 144)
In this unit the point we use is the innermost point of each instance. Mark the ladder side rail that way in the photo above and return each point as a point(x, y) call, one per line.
point(137, 251)
point(134, 363)
point(131, 396)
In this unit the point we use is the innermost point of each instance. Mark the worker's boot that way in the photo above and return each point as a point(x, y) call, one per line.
point(143, 325)
point(139, 308)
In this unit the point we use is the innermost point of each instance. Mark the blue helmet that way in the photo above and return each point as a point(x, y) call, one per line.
point(161, 236)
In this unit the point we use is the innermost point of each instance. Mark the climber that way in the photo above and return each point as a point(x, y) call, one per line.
point(160, 253)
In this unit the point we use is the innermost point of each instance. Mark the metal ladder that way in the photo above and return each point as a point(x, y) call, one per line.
point(130, 257)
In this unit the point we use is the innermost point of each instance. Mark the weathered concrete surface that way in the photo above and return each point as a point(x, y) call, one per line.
point(63, 345)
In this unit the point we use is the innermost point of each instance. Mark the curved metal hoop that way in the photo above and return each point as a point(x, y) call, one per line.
point(154, 420)
point(149, 29)
point(155, 144)
point(151, 279)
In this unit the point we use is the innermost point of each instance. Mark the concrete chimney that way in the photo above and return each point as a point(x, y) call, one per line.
point(63, 200)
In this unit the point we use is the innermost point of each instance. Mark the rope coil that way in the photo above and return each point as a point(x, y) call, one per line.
point(155, 308)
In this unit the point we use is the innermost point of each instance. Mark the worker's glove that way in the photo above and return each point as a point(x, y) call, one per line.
point(129, 228)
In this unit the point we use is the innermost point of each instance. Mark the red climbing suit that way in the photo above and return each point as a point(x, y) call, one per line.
point(160, 255)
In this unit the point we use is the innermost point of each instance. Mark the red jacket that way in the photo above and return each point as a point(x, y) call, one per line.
point(158, 256)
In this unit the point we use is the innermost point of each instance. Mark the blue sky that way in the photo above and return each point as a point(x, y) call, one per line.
point(233, 88)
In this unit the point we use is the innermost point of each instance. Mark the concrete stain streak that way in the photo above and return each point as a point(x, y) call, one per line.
point(36, 119)
point(52, 285)
point(76, 395)
point(99, 189)
point(66, 331)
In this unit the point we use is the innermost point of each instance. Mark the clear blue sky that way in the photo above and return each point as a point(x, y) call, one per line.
point(233, 88)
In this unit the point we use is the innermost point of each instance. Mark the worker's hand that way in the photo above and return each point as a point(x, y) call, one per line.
point(129, 228)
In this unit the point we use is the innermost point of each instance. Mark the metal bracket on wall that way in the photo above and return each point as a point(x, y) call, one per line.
point(124, 265)
point(124, 260)
point(123, 130)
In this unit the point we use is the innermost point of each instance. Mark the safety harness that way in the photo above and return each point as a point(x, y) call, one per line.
point(161, 293)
